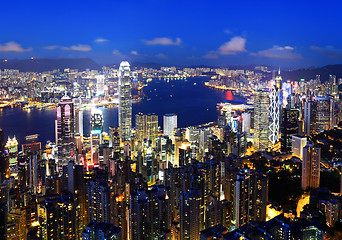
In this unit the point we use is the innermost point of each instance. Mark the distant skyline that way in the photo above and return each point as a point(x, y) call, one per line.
point(217, 33)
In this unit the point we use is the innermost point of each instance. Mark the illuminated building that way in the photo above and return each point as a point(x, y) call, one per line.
point(146, 127)
point(125, 102)
point(311, 166)
point(190, 223)
point(274, 112)
point(12, 146)
point(114, 140)
point(310, 109)
point(96, 123)
point(289, 128)
point(246, 123)
point(79, 121)
point(150, 213)
point(100, 85)
point(102, 231)
point(250, 197)
point(65, 130)
point(298, 143)
point(322, 114)
point(3, 162)
point(57, 217)
point(98, 200)
point(261, 120)
point(169, 124)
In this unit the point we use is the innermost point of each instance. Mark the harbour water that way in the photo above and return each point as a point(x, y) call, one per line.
point(193, 103)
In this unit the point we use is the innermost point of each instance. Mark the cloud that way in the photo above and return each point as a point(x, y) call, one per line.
point(101, 40)
point(211, 55)
point(118, 53)
point(164, 41)
point(161, 56)
point(51, 47)
point(79, 47)
point(286, 52)
point(13, 47)
point(328, 51)
point(232, 47)
point(235, 45)
point(134, 53)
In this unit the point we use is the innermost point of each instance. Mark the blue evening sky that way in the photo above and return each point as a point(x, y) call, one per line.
point(281, 33)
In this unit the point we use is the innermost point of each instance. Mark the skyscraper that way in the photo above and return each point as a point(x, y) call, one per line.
point(12, 146)
point(298, 143)
point(311, 166)
point(250, 197)
point(274, 112)
point(125, 101)
point(100, 85)
point(190, 222)
point(322, 114)
point(261, 120)
point(146, 127)
point(65, 131)
point(170, 124)
point(79, 121)
point(289, 128)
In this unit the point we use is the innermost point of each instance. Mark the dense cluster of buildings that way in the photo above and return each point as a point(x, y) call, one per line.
point(144, 182)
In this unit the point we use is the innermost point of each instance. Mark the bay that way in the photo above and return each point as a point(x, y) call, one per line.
point(193, 103)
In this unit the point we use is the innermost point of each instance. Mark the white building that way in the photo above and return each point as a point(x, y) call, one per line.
point(170, 124)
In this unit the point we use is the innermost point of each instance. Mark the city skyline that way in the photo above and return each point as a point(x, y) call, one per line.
point(288, 35)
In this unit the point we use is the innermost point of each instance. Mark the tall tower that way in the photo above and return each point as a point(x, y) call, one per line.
point(125, 101)
point(146, 127)
point(261, 120)
point(311, 166)
point(100, 85)
point(65, 131)
point(310, 109)
point(322, 114)
point(170, 124)
point(96, 124)
point(274, 111)
point(190, 212)
point(289, 128)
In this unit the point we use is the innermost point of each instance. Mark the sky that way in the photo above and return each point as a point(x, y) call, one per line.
point(175, 32)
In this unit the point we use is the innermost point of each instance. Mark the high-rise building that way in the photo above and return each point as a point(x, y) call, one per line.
point(65, 130)
point(289, 128)
point(310, 109)
point(100, 85)
point(79, 121)
point(274, 112)
point(298, 143)
point(12, 146)
point(96, 130)
point(322, 114)
point(250, 197)
point(146, 127)
point(170, 124)
point(311, 166)
point(98, 200)
point(57, 217)
point(125, 101)
point(261, 120)
point(190, 223)
point(150, 213)
point(3, 162)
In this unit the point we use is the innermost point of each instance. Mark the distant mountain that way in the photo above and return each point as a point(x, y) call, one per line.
point(145, 65)
point(310, 73)
point(42, 65)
